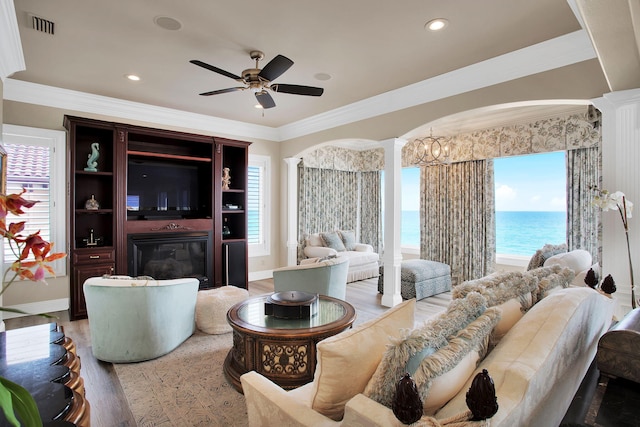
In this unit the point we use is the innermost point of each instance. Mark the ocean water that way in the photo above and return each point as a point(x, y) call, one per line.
point(517, 233)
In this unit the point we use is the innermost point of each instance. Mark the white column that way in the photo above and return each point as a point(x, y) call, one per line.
point(292, 210)
point(620, 172)
point(392, 256)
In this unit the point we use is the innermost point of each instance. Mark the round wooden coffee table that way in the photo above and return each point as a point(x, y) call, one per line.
point(283, 350)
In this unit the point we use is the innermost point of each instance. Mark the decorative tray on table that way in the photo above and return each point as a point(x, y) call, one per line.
point(291, 305)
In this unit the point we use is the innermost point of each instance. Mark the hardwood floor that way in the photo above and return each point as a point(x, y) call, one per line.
point(109, 407)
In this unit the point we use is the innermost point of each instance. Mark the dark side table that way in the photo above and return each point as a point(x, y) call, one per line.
point(283, 350)
point(617, 354)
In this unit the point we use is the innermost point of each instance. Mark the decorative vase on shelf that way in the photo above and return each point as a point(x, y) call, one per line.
point(92, 162)
point(226, 178)
point(92, 204)
point(226, 231)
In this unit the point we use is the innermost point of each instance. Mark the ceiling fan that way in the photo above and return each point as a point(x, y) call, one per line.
point(259, 80)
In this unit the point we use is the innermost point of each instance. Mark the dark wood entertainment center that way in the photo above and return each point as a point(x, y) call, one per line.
point(154, 184)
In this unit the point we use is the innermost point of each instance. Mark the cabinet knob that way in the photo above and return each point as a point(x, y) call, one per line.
point(94, 256)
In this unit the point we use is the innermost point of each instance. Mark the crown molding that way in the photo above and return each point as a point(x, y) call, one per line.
point(11, 57)
point(556, 53)
point(551, 54)
point(34, 93)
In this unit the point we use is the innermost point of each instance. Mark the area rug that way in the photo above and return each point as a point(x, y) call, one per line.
point(186, 387)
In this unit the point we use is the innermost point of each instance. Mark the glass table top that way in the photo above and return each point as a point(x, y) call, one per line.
point(253, 313)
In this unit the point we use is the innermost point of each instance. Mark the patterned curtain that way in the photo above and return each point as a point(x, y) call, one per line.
point(458, 217)
point(370, 209)
point(339, 200)
point(584, 228)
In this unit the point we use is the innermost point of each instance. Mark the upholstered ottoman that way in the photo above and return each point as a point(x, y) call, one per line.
point(212, 306)
point(421, 278)
point(617, 354)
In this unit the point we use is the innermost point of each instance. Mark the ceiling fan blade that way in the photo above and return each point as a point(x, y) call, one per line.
point(297, 89)
point(219, 91)
point(265, 99)
point(216, 70)
point(275, 68)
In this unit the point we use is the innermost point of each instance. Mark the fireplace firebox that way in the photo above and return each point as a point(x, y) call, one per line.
point(172, 256)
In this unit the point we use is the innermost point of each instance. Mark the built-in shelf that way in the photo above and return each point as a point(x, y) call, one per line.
point(94, 211)
point(168, 156)
point(83, 172)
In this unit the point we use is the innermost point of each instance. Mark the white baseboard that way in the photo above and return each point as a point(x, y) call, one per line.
point(38, 307)
point(260, 275)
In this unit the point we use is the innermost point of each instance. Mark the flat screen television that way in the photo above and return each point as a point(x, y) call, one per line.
point(159, 188)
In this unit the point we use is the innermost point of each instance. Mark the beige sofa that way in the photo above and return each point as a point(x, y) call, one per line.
point(540, 356)
point(363, 261)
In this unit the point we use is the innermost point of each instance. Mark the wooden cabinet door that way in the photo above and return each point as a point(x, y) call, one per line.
point(78, 309)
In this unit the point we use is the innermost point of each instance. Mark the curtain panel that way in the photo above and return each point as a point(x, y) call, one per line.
point(458, 220)
point(339, 200)
point(584, 226)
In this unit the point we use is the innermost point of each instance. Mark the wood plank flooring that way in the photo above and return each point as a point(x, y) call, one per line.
point(109, 407)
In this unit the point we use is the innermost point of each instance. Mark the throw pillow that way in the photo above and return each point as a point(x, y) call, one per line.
point(553, 282)
point(332, 240)
point(547, 251)
point(349, 239)
point(577, 260)
point(426, 340)
point(314, 240)
point(346, 362)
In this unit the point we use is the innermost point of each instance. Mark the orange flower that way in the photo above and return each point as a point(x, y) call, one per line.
point(22, 246)
point(14, 203)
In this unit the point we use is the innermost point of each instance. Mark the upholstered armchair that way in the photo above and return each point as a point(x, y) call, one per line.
point(328, 277)
point(131, 320)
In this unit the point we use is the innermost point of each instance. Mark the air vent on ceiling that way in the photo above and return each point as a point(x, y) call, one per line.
point(41, 24)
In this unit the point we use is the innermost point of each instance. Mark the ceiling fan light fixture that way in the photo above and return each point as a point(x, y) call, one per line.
point(436, 24)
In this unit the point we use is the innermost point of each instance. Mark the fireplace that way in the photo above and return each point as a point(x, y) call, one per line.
point(171, 256)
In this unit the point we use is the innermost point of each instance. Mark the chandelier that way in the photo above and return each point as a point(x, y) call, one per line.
point(432, 150)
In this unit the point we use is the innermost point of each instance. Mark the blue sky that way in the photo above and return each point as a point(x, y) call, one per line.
point(523, 183)
point(531, 183)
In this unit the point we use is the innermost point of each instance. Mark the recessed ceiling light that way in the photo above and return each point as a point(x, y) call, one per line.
point(132, 77)
point(167, 23)
point(322, 76)
point(436, 24)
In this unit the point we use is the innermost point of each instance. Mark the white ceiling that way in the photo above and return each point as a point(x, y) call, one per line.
point(368, 49)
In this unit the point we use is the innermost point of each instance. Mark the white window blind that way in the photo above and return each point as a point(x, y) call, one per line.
point(28, 168)
point(258, 199)
point(255, 205)
point(36, 163)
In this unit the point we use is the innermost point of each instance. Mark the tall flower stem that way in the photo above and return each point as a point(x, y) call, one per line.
point(633, 287)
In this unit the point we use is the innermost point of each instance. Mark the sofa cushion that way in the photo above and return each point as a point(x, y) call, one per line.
point(540, 363)
point(547, 251)
point(360, 258)
point(319, 252)
point(349, 239)
point(346, 362)
point(444, 341)
point(511, 292)
point(332, 240)
point(314, 240)
point(577, 260)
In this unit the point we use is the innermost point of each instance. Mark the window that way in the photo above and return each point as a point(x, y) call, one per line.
point(410, 226)
point(530, 202)
point(258, 205)
point(36, 162)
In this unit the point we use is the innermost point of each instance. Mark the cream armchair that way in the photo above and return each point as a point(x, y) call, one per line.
point(328, 277)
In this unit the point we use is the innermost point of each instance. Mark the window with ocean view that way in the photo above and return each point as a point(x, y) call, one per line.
point(410, 226)
point(530, 202)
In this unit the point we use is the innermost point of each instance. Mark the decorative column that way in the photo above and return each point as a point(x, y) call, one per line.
point(392, 256)
point(292, 210)
point(620, 172)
